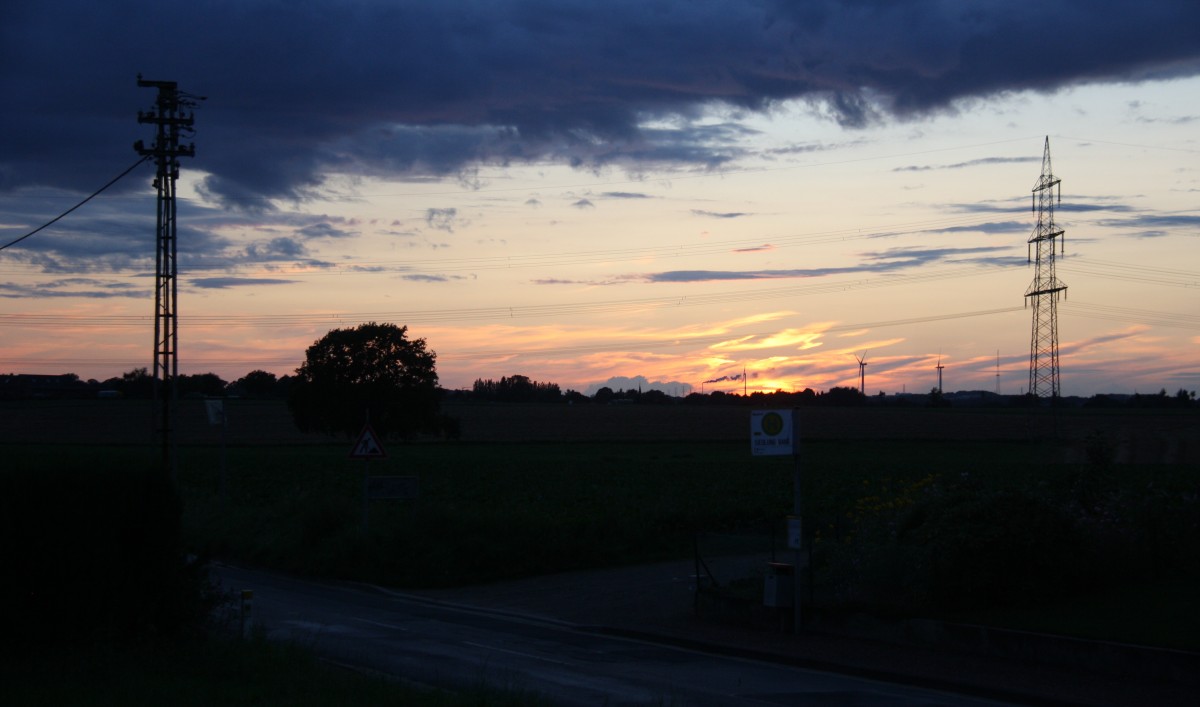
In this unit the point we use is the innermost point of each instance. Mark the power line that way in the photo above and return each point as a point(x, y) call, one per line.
point(707, 174)
point(1142, 146)
point(1134, 273)
point(675, 342)
point(1133, 316)
point(198, 266)
point(502, 312)
point(93, 195)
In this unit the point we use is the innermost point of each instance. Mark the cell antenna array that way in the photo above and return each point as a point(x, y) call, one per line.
point(173, 120)
point(1046, 288)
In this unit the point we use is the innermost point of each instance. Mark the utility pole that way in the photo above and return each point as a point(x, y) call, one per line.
point(171, 123)
point(1046, 288)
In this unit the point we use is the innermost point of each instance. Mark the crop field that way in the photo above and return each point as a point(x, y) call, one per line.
point(1150, 436)
point(975, 514)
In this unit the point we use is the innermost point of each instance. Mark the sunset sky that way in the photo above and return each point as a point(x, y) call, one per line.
point(665, 194)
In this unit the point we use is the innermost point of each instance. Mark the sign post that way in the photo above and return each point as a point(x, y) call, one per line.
point(777, 433)
point(216, 416)
point(771, 432)
point(367, 447)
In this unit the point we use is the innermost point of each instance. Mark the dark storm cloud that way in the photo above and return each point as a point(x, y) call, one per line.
point(324, 229)
point(118, 235)
point(441, 219)
point(276, 249)
point(1081, 207)
point(73, 287)
point(224, 283)
point(1156, 221)
point(298, 91)
point(918, 256)
point(625, 195)
point(989, 227)
point(890, 260)
point(423, 277)
point(1071, 203)
point(969, 163)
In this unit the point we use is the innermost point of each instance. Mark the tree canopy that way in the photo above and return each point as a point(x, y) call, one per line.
point(258, 384)
point(371, 370)
point(516, 389)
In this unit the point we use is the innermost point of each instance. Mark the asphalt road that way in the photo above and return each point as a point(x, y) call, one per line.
point(434, 643)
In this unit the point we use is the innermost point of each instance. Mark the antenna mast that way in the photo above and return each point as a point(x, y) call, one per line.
point(171, 123)
point(1046, 288)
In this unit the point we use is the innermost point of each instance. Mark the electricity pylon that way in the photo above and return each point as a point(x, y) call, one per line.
point(1046, 288)
point(171, 123)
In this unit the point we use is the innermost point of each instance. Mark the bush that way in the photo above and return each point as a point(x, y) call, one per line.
point(95, 556)
point(990, 549)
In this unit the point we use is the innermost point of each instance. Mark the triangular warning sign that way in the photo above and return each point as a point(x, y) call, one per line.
point(367, 446)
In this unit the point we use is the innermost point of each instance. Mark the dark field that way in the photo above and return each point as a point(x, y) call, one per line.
point(1135, 436)
point(1082, 522)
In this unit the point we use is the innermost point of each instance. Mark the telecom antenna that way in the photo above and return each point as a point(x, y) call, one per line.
point(862, 372)
point(171, 123)
point(1046, 288)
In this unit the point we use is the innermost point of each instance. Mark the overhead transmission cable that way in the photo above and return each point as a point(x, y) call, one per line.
point(624, 255)
point(674, 342)
point(93, 195)
point(500, 312)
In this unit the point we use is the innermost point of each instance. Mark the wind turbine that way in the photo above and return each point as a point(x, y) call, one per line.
point(862, 372)
point(939, 370)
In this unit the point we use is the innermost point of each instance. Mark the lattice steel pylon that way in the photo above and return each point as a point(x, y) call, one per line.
point(171, 123)
point(1046, 288)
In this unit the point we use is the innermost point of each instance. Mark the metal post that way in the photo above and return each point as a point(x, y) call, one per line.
point(366, 496)
point(224, 458)
point(171, 123)
point(796, 593)
point(1046, 289)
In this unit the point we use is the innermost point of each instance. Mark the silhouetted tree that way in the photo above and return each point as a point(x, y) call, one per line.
point(841, 397)
point(654, 396)
point(133, 384)
point(372, 369)
point(207, 384)
point(515, 389)
point(255, 384)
